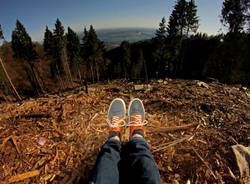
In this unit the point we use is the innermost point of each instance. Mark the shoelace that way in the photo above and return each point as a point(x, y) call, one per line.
point(137, 120)
point(116, 121)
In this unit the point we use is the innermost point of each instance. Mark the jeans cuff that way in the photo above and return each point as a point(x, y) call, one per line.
point(138, 140)
point(114, 144)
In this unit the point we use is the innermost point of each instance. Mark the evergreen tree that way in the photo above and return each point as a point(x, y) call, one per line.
point(192, 18)
point(21, 43)
point(178, 19)
point(23, 48)
point(159, 51)
point(93, 49)
point(59, 36)
point(233, 14)
point(183, 18)
point(1, 33)
point(48, 42)
point(73, 49)
point(161, 32)
point(138, 66)
point(173, 27)
point(125, 59)
point(58, 46)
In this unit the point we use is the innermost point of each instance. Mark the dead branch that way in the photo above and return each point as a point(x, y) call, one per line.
point(23, 176)
point(170, 144)
point(8, 77)
point(207, 166)
point(177, 128)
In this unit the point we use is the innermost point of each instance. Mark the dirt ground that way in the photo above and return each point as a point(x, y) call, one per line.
point(192, 126)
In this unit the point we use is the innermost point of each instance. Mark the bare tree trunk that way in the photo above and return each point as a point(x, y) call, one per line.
point(146, 70)
point(12, 85)
point(86, 87)
point(36, 78)
point(79, 74)
point(68, 73)
point(6, 90)
point(97, 72)
point(92, 73)
point(62, 86)
point(40, 80)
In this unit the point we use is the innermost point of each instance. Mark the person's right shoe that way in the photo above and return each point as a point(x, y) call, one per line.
point(136, 118)
point(116, 117)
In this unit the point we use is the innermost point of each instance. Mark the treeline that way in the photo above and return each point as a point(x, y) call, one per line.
point(176, 51)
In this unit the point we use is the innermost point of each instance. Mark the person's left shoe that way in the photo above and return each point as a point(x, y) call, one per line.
point(136, 118)
point(116, 117)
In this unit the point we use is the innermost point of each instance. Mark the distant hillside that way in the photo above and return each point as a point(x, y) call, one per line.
point(113, 37)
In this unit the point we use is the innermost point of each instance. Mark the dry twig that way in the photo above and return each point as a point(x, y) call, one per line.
point(21, 177)
point(198, 155)
point(170, 144)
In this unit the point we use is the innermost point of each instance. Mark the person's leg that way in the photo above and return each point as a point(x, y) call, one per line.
point(138, 160)
point(143, 168)
point(106, 168)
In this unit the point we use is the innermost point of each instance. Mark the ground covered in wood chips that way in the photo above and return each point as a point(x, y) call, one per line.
point(192, 126)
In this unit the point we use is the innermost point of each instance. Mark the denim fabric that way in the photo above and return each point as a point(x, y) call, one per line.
point(132, 163)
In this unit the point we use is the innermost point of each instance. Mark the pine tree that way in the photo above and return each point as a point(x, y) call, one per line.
point(161, 32)
point(23, 48)
point(138, 66)
point(192, 18)
point(22, 44)
point(233, 14)
point(160, 48)
point(173, 27)
point(1, 33)
point(181, 10)
point(93, 49)
point(183, 19)
point(177, 20)
point(48, 41)
point(73, 49)
point(125, 59)
point(59, 36)
point(57, 68)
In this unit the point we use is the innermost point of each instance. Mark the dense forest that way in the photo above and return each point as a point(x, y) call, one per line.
point(178, 50)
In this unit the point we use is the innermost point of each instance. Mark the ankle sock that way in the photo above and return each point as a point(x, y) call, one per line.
point(138, 131)
point(113, 134)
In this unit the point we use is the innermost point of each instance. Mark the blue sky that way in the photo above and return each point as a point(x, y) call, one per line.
point(36, 14)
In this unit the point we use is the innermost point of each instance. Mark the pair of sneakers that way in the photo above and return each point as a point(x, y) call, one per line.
point(117, 117)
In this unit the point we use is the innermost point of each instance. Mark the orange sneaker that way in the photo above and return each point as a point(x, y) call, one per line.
point(136, 118)
point(116, 117)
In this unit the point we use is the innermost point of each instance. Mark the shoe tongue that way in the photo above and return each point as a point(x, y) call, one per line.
point(116, 112)
point(136, 108)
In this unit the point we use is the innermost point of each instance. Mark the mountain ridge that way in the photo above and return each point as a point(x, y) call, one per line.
point(114, 36)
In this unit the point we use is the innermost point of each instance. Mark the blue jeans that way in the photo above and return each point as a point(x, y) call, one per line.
point(131, 163)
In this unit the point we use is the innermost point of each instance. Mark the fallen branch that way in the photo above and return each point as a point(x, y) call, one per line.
point(13, 139)
point(170, 144)
point(15, 143)
point(96, 114)
point(177, 128)
point(36, 115)
point(198, 155)
point(21, 177)
point(11, 84)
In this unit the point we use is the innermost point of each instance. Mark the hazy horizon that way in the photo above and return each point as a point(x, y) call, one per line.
point(111, 14)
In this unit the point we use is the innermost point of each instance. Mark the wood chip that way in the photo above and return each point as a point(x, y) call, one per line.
point(23, 176)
